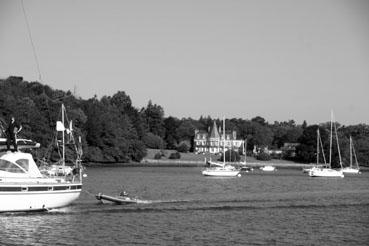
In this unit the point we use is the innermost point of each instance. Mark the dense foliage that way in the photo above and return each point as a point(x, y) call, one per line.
point(113, 130)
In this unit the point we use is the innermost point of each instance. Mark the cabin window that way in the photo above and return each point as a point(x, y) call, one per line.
point(23, 163)
point(8, 166)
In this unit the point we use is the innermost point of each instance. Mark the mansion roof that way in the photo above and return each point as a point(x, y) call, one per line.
point(215, 133)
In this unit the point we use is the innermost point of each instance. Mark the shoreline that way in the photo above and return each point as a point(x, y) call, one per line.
point(237, 164)
point(193, 163)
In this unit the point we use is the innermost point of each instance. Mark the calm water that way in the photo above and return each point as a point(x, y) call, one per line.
point(181, 207)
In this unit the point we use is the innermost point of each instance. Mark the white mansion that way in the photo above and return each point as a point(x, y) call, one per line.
point(213, 142)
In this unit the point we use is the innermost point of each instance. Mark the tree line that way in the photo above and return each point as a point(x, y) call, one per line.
point(113, 130)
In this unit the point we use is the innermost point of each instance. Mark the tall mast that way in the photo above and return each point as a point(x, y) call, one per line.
point(223, 140)
point(338, 145)
point(245, 150)
point(330, 141)
point(354, 154)
point(63, 135)
point(317, 146)
point(350, 152)
point(321, 145)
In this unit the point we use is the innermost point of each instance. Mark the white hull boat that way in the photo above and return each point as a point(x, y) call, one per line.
point(268, 168)
point(31, 197)
point(351, 170)
point(24, 188)
point(221, 172)
point(221, 169)
point(325, 172)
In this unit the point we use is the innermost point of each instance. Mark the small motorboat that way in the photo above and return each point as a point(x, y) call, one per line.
point(246, 169)
point(268, 168)
point(121, 199)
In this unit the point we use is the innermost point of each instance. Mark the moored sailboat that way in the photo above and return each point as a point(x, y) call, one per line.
point(244, 166)
point(352, 169)
point(319, 145)
point(328, 171)
point(221, 169)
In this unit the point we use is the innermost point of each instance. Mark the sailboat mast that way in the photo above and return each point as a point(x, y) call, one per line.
point(321, 145)
point(350, 152)
point(354, 154)
point(245, 150)
point(223, 140)
point(330, 141)
point(63, 135)
point(338, 145)
point(317, 146)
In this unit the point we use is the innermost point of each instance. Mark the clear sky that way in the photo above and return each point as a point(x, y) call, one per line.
point(281, 60)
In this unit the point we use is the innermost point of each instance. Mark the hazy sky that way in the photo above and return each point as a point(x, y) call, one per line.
point(278, 59)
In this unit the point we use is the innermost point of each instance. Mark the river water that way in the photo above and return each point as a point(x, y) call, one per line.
point(178, 206)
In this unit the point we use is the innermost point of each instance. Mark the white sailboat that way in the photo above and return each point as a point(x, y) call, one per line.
point(24, 188)
point(328, 171)
point(221, 170)
point(244, 166)
point(352, 169)
point(319, 145)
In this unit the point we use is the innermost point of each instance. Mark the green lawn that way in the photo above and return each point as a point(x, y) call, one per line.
point(200, 157)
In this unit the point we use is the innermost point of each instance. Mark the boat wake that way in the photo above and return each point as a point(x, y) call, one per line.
point(160, 206)
point(148, 206)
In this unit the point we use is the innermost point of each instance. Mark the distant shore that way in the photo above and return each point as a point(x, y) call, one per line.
point(196, 160)
point(189, 163)
point(199, 160)
point(199, 163)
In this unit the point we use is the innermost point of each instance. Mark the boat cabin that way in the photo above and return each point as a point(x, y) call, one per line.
point(18, 165)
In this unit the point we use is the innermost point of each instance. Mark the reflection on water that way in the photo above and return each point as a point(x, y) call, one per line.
point(179, 206)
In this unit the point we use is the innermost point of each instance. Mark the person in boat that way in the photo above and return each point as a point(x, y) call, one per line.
point(123, 193)
point(13, 129)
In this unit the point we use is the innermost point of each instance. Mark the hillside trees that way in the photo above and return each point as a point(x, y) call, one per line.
point(110, 132)
point(171, 137)
point(113, 130)
point(153, 115)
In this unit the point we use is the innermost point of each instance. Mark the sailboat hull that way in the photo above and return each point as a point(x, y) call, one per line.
point(221, 172)
point(351, 170)
point(325, 172)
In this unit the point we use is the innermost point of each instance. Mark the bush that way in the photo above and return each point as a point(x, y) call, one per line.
point(158, 156)
point(183, 148)
point(175, 155)
point(263, 157)
point(153, 141)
